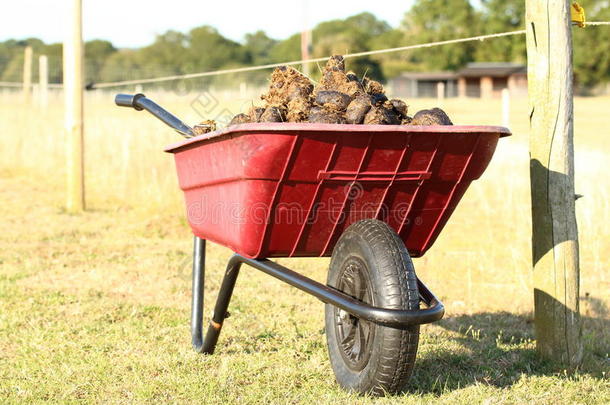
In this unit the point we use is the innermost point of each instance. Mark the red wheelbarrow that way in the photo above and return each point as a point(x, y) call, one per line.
point(369, 196)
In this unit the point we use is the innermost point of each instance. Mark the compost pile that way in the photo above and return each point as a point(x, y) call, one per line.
point(339, 98)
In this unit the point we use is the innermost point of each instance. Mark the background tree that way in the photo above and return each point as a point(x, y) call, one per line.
point(55, 54)
point(208, 50)
point(353, 34)
point(96, 51)
point(286, 50)
point(123, 65)
point(204, 48)
point(7, 53)
point(592, 47)
point(258, 46)
point(439, 20)
point(395, 63)
point(501, 16)
point(11, 59)
point(168, 55)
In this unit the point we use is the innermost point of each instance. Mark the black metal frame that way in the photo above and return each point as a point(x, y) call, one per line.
point(387, 317)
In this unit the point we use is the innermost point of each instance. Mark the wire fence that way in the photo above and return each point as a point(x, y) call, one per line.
point(294, 62)
point(303, 61)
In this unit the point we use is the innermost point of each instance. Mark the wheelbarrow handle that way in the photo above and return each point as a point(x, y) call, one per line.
point(139, 102)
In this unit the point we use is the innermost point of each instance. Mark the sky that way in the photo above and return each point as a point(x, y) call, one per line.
point(134, 23)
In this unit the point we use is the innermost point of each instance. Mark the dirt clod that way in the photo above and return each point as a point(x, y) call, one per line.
point(326, 116)
point(381, 115)
point(434, 116)
point(400, 107)
point(336, 63)
point(333, 99)
point(379, 98)
point(272, 114)
point(298, 109)
point(352, 77)
point(334, 78)
point(240, 119)
point(204, 127)
point(372, 87)
point(287, 84)
point(357, 109)
point(255, 113)
point(339, 97)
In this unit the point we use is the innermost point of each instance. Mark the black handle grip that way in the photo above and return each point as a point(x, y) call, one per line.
point(129, 100)
point(139, 102)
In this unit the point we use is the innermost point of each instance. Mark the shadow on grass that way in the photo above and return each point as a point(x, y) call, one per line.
point(497, 349)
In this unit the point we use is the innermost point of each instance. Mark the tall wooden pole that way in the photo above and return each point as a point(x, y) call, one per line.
point(27, 75)
point(305, 37)
point(73, 93)
point(43, 80)
point(554, 231)
point(305, 50)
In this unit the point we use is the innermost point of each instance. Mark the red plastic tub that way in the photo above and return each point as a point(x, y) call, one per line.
point(285, 190)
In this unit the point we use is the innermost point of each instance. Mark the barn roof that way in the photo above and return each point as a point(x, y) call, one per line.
point(493, 69)
point(441, 75)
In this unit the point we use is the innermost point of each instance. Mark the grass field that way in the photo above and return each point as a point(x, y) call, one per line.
point(94, 307)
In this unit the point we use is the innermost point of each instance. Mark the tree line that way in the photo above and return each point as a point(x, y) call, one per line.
point(204, 48)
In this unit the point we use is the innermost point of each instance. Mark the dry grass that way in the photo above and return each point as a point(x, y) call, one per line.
point(94, 306)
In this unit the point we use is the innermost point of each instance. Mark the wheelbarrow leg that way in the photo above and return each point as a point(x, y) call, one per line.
point(200, 344)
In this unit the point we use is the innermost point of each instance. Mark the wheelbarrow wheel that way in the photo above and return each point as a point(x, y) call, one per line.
point(371, 263)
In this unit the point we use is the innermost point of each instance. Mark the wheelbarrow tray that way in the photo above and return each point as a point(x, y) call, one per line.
point(290, 189)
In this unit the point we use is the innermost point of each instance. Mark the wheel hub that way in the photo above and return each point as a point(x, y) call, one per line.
point(355, 336)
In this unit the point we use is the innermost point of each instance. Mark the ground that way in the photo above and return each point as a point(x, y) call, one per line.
point(94, 307)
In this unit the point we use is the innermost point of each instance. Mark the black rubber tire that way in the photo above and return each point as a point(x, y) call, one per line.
point(370, 249)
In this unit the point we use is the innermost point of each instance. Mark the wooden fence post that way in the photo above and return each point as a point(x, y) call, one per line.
point(43, 81)
point(73, 93)
point(440, 92)
point(505, 108)
point(27, 75)
point(554, 231)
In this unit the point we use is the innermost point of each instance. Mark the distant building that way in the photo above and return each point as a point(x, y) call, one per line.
point(423, 84)
point(484, 80)
point(487, 80)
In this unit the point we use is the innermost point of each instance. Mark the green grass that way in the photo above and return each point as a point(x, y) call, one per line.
point(95, 308)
